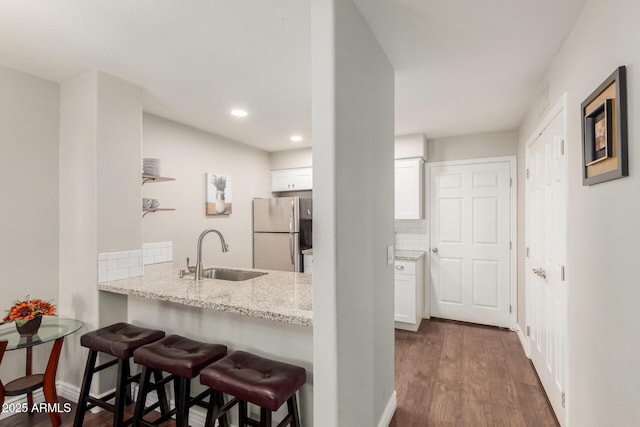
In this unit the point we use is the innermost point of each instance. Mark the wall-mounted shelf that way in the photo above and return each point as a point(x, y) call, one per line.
point(151, 178)
point(150, 210)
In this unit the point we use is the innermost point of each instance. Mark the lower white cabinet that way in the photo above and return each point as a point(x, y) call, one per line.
point(409, 294)
point(307, 263)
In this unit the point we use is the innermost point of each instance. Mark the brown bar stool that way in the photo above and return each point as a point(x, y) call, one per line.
point(183, 358)
point(118, 340)
point(250, 378)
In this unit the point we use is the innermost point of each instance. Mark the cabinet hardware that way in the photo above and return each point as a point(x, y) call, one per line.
point(399, 267)
point(434, 250)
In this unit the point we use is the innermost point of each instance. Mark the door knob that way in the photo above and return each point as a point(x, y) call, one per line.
point(434, 250)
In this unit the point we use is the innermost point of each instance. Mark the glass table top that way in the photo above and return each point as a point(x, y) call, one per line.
point(51, 329)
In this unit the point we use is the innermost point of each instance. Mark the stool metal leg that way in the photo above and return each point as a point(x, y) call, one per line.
point(84, 390)
point(127, 374)
point(265, 417)
point(292, 404)
point(141, 400)
point(162, 394)
point(243, 413)
point(118, 417)
point(182, 388)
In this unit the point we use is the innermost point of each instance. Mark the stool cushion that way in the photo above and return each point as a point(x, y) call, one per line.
point(179, 355)
point(264, 382)
point(120, 339)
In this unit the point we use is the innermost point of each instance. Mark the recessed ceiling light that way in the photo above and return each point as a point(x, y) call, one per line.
point(239, 113)
point(296, 138)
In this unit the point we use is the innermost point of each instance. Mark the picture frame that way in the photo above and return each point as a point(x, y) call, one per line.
point(218, 198)
point(604, 131)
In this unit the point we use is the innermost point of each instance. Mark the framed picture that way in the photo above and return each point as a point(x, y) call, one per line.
point(218, 194)
point(604, 131)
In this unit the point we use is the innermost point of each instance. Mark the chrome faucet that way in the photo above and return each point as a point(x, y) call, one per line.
point(225, 248)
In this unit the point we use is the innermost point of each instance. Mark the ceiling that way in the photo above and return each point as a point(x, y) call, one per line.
point(461, 66)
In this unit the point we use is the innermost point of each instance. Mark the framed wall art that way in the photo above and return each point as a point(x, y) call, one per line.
point(604, 131)
point(218, 194)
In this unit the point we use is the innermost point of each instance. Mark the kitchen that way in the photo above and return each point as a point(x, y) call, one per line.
point(73, 139)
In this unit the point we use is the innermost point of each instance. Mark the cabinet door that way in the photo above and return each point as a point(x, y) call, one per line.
point(405, 298)
point(281, 180)
point(408, 189)
point(302, 179)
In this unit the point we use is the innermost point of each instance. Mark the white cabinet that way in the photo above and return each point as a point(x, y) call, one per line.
point(409, 199)
point(298, 179)
point(307, 263)
point(409, 294)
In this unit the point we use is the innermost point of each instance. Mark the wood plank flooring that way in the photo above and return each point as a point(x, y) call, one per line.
point(458, 374)
point(447, 374)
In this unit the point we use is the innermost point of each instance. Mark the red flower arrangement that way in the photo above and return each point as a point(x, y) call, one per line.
point(27, 309)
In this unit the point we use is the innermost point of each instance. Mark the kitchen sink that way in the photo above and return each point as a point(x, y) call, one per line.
point(231, 275)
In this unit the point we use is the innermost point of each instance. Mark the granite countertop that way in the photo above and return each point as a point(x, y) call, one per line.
point(409, 255)
point(280, 296)
point(307, 252)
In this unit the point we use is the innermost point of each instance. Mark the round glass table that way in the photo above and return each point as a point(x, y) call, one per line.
point(52, 329)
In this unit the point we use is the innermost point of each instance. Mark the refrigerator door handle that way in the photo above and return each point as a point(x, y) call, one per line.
point(291, 249)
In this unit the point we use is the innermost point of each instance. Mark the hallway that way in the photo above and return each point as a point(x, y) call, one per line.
point(459, 374)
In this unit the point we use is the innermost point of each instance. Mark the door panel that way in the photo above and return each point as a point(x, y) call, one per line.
point(470, 242)
point(546, 240)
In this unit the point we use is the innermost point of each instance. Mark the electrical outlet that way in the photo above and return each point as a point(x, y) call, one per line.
point(390, 255)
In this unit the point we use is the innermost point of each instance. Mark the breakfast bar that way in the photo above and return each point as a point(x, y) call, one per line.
point(270, 315)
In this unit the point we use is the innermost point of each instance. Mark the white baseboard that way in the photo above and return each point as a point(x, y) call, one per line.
point(389, 410)
point(524, 341)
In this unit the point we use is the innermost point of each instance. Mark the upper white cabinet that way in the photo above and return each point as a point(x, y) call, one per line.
point(409, 178)
point(298, 179)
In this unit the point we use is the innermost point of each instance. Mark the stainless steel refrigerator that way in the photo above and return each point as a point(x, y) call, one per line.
point(281, 230)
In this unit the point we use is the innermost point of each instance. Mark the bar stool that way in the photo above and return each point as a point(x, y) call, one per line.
point(250, 378)
point(183, 358)
point(118, 340)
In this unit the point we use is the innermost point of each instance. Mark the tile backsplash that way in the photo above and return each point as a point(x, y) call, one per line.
point(154, 253)
point(119, 265)
point(412, 235)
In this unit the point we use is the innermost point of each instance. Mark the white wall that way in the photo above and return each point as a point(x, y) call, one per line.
point(29, 116)
point(474, 146)
point(602, 267)
point(353, 99)
point(100, 122)
point(298, 158)
point(410, 145)
point(186, 154)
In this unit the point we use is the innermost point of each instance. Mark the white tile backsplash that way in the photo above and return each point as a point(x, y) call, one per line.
point(412, 242)
point(418, 226)
point(154, 253)
point(119, 265)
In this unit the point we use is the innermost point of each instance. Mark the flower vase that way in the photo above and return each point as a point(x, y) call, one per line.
point(220, 201)
point(30, 327)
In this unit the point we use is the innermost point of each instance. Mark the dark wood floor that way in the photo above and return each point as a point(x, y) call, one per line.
point(458, 374)
point(447, 374)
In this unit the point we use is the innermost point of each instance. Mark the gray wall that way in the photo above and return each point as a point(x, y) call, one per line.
point(29, 115)
point(186, 154)
point(603, 234)
point(353, 134)
point(476, 146)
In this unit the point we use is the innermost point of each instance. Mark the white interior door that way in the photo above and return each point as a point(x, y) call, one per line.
point(470, 242)
point(545, 260)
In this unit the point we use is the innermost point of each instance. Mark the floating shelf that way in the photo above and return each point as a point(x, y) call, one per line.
point(151, 178)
